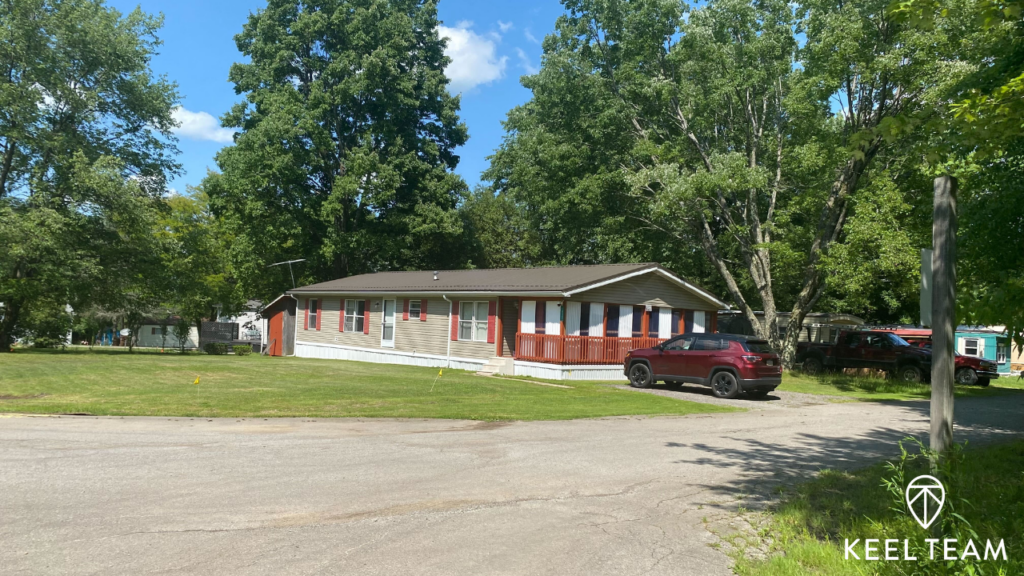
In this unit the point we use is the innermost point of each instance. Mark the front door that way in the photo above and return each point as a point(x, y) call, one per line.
point(387, 325)
point(275, 334)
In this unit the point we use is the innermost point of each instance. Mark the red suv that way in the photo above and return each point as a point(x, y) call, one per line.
point(728, 363)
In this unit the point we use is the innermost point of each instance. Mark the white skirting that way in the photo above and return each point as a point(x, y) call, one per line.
point(557, 372)
point(339, 352)
point(522, 368)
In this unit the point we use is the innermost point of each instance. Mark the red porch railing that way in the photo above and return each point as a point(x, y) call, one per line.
point(557, 349)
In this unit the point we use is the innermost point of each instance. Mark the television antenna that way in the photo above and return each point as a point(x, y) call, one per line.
point(289, 263)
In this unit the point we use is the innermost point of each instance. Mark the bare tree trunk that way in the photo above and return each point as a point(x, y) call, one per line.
point(944, 229)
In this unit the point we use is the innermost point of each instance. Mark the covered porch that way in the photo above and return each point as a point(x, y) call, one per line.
point(578, 350)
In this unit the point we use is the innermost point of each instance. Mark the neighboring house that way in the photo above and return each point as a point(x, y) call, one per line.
point(570, 322)
point(990, 343)
point(251, 324)
point(151, 335)
point(817, 326)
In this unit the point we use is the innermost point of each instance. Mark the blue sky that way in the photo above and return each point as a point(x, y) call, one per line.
point(491, 43)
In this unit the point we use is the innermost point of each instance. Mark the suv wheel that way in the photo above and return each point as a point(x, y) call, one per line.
point(909, 373)
point(724, 385)
point(812, 366)
point(966, 377)
point(640, 376)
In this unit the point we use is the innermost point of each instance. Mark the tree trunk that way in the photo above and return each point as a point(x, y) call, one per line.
point(11, 313)
point(944, 228)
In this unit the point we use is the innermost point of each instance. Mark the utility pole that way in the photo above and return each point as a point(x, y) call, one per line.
point(944, 228)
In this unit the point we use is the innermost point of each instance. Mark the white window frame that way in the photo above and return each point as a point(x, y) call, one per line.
point(1001, 354)
point(354, 316)
point(312, 313)
point(384, 324)
point(415, 309)
point(473, 329)
point(972, 342)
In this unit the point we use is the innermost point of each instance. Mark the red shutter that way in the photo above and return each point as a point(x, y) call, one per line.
point(341, 317)
point(492, 311)
point(366, 317)
point(405, 313)
point(423, 310)
point(305, 321)
point(319, 313)
point(455, 319)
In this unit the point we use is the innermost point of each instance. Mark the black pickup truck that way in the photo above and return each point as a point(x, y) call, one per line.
point(867, 349)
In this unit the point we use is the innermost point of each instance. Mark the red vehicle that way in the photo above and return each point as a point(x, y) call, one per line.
point(885, 350)
point(728, 363)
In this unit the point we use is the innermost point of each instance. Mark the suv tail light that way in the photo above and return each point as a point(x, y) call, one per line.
point(752, 359)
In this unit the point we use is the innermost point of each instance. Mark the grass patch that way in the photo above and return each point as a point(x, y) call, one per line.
point(865, 388)
point(145, 383)
point(805, 534)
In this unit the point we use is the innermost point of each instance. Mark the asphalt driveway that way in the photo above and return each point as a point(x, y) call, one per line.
point(84, 495)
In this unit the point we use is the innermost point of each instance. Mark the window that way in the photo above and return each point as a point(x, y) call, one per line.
point(473, 321)
point(414, 309)
point(354, 315)
point(638, 321)
point(585, 319)
point(312, 315)
point(758, 347)
point(612, 330)
point(680, 343)
point(852, 340)
point(654, 323)
point(156, 331)
point(706, 343)
point(1001, 353)
point(970, 346)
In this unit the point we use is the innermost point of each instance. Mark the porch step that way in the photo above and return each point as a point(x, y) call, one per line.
point(503, 366)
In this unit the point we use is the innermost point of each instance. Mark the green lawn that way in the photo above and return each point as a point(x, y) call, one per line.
point(864, 388)
point(146, 383)
point(805, 534)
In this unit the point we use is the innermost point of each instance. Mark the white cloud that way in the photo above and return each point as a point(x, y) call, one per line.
point(530, 36)
point(504, 26)
point(200, 126)
point(524, 61)
point(474, 57)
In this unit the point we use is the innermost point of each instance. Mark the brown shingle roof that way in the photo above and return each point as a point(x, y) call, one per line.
point(558, 279)
point(545, 279)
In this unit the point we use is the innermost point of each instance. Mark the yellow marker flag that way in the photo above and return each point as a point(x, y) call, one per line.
point(439, 372)
point(197, 381)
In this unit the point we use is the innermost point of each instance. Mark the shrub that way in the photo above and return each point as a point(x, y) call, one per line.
point(215, 348)
point(243, 350)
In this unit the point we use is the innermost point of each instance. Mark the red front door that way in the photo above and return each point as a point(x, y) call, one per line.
point(276, 336)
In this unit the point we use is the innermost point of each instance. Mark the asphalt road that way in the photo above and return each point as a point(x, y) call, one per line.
point(84, 495)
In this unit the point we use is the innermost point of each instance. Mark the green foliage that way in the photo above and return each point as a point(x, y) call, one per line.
point(195, 259)
point(242, 350)
point(48, 325)
point(215, 348)
point(497, 234)
point(85, 147)
point(182, 331)
point(345, 154)
point(984, 488)
point(708, 138)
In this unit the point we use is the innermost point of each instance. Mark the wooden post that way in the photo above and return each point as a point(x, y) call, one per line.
point(944, 229)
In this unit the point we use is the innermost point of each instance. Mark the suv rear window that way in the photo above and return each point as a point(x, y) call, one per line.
point(708, 343)
point(758, 347)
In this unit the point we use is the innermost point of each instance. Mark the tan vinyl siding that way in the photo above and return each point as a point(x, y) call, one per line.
point(413, 335)
point(329, 333)
point(651, 289)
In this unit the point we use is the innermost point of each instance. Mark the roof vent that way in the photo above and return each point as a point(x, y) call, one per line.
point(435, 275)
